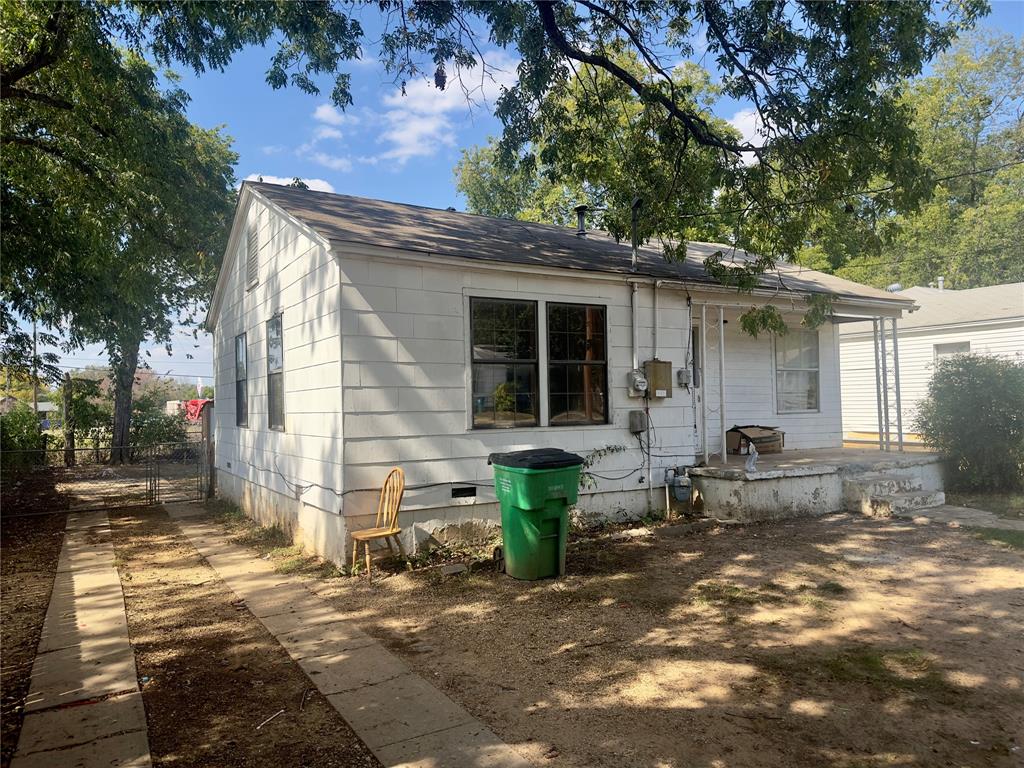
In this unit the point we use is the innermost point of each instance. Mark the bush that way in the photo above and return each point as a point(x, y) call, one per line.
point(19, 431)
point(974, 415)
point(152, 428)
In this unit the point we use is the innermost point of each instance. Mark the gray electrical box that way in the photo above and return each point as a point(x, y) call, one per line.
point(637, 422)
point(659, 378)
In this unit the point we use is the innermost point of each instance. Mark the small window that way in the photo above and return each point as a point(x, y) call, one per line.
point(944, 351)
point(577, 365)
point(504, 359)
point(275, 374)
point(796, 372)
point(252, 256)
point(241, 382)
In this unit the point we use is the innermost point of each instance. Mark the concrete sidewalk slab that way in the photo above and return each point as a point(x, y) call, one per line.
point(472, 744)
point(73, 726)
point(401, 717)
point(84, 708)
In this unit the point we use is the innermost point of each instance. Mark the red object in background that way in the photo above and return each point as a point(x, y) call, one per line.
point(194, 408)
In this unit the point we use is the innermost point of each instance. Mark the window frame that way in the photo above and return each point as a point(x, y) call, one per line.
point(797, 369)
point(277, 317)
point(550, 362)
point(242, 382)
point(936, 356)
point(535, 362)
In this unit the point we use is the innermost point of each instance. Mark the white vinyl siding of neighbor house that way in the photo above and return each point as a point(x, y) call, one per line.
point(297, 278)
point(407, 378)
point(917, 363)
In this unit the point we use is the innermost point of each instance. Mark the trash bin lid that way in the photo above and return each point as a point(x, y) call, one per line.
point(536, 458)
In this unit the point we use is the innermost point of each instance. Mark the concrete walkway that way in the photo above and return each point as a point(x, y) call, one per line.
point(402, 718)
point(84, 707)
point(961, 516)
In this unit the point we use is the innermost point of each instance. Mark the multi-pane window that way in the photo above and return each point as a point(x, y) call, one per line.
point(241, 382)
point(577, 364)
point(796, 371)
point(275, 374)
point(943, 351)
point(504, 359)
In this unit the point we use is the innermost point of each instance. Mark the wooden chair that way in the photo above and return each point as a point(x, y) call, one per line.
point(386, 526)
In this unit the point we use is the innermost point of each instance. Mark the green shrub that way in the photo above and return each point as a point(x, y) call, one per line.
point(19, 431)
point(153, 427)
point(974, 415)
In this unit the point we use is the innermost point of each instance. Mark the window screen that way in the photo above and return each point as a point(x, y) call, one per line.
point(275, 373)
point(577, 364)
point(796, 371)
point(241, 382)
point(504, 359)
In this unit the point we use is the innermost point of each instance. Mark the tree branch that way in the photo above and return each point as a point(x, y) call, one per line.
point(50, 149)
point(696, 125)
point(57, 31)
point(10, 92)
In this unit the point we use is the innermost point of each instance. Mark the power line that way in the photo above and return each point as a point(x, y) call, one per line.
point(875, 191)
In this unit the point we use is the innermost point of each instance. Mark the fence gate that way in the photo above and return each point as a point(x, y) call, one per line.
point(88, 479)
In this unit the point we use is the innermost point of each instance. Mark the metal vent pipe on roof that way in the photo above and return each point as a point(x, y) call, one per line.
point(581, 220)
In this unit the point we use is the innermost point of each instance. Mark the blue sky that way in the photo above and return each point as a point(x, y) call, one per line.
point(384, 146)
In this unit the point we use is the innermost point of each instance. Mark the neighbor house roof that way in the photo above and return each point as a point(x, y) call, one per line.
point(949, 307)
point(342, 219)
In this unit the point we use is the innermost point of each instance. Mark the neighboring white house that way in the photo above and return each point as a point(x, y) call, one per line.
point(351, 335)
point(981, 321)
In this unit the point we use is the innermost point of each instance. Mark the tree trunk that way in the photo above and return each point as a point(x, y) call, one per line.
point(69, 420)
point(123, 365)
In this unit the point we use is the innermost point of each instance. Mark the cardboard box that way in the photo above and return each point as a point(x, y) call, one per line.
point(766, 439)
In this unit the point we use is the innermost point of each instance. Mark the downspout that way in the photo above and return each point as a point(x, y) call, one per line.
point(632, 304)
point(896, 383)
point(878, 379)
point(721, 380)
point(704, 381)
point(657, 284)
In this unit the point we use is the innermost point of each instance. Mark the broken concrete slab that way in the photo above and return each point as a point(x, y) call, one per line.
point(341, 671)
point(81, 673)
point(72, 726)
point(319, 639)
point(126, 750)
point(399, 709)
point(469, 744)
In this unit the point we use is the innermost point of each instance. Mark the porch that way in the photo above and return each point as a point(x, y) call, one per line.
point(819, 481)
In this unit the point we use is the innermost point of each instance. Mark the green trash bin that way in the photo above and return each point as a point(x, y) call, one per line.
point(535, 489)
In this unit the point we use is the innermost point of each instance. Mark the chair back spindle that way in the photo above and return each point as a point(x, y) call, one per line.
point(391, 499)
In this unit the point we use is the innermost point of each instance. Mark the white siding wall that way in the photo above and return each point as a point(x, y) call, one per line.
point(750, 385)
point(917, 356)
point(299, 278)
point(406, 377)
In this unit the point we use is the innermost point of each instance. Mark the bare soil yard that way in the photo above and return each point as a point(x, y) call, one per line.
point(210, 672)
point(838, 642)
point(29, 549)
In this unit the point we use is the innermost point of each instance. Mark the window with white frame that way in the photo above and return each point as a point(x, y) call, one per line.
point(577, 364)
point(241, 382)
point(944, 351)
point(275, 373)
point(797, 372)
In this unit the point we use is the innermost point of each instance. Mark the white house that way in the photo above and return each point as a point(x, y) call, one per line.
point(981, 321)
point(351, 335)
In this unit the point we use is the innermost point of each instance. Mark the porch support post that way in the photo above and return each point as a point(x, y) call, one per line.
point(896, 383)
point(704, 381)
point(886, 424)
point(721, 380)
point(878, 380)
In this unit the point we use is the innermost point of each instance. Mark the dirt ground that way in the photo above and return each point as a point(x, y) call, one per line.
point(839, 642)
point(210, 673)
point(29, 549)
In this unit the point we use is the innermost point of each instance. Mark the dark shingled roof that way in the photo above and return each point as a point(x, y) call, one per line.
point(343, 219)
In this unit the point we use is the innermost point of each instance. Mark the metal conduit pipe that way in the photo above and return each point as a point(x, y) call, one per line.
point(721, 380)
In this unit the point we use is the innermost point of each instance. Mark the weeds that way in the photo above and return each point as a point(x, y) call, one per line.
point(1002, 537)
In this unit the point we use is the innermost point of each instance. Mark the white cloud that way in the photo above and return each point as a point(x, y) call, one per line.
point(420, 123)
point(273, 149)
point(748, 122)
point(334, 162)
point(320, 185)
point(326, 132)
point(327, 113)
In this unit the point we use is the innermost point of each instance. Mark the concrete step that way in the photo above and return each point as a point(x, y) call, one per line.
point(881, 485)
point(887, 505)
